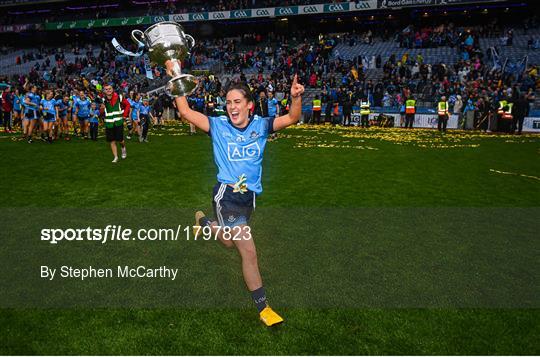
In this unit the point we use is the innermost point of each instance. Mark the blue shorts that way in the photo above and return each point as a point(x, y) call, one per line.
point(232, 208)
point(49, 118)
point(18, 111)
point(82, 120)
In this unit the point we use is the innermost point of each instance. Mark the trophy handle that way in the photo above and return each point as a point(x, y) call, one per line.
point(136, 33)
point(191, 39)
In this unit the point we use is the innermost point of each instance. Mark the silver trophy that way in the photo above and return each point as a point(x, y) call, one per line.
point(166, 41)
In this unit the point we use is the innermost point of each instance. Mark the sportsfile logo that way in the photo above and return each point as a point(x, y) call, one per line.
point(236, 152)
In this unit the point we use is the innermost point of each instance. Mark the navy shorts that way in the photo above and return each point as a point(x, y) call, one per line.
point(49, 118)
point(232, 208)
point(31, 115)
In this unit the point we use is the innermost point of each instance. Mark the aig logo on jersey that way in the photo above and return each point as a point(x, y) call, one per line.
point(237, 152)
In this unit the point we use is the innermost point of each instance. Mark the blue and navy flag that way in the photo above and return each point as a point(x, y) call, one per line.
point(148, 67)
point(516, 68)
point(521, 66)
point(497, 63)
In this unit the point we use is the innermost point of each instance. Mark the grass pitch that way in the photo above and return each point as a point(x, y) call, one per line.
point(328, 172)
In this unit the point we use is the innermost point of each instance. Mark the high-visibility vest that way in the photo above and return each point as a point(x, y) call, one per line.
point(114, 115)
point(336, 109)
point(209, 101)
point(508, 113)
point(364, 108)
point(443, 108)
point(285, 104)
point(410, 106)
point(502, 104)
point(317, 105)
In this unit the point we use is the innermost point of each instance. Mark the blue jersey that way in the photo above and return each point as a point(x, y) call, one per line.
point(94, 117)
point(199, 104)
point(74, 100)
point(239, 152)
point(62, 107)
point(272, 110)
point(17, 102)
point(135, 108)
point(48, 106)
point(35, 99)
point(144, 109)
point(84, 107)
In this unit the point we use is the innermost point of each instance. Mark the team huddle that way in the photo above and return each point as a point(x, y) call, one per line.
point(54, 115)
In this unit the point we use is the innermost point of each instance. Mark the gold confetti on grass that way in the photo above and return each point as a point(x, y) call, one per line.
point(333, 146)
point(423, 138)
point(514, 174)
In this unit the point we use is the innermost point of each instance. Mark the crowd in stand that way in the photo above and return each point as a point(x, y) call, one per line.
point(268, 62)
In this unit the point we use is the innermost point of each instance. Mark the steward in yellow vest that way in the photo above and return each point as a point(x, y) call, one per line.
point(316, 110)
point(410, 110)
point(442, 111)
point(364, 112)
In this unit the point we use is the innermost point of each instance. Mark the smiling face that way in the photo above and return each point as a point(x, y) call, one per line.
point(238, 107)
point(108, 91)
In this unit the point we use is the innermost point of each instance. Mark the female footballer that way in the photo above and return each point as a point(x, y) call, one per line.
point(238, 141)
point(47, 107)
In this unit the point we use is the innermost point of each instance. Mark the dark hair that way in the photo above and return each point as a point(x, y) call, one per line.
point(242, 88)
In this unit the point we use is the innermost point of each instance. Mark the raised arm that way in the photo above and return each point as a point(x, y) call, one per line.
point(29, 102)
point(200, 120)
point(295, 108)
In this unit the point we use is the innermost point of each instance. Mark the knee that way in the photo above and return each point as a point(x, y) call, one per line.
point(248, 253)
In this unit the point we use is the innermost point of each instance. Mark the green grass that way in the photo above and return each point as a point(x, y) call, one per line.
point(342, 218)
